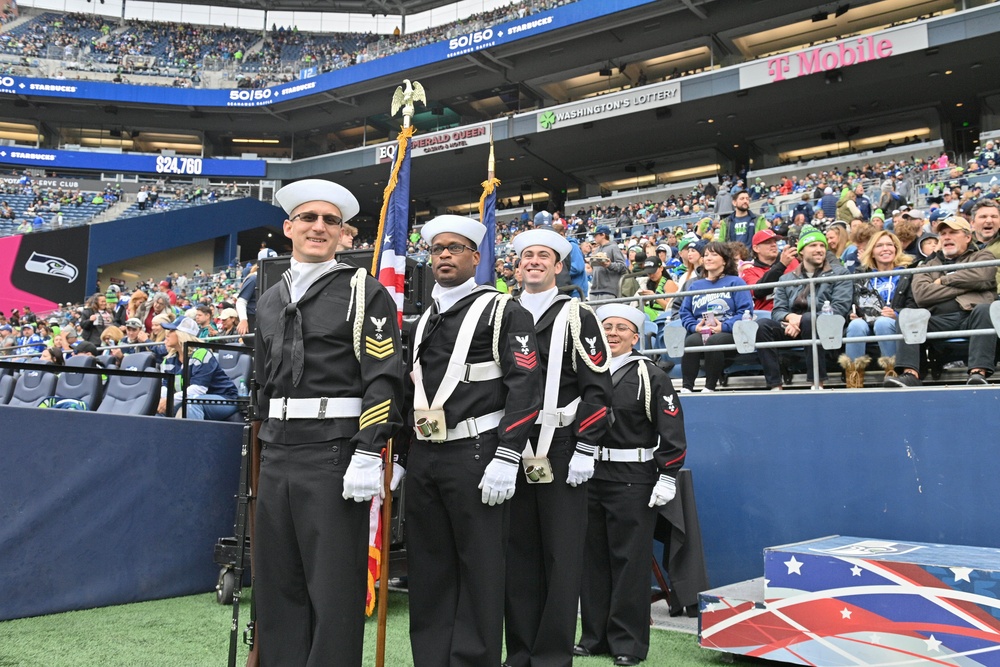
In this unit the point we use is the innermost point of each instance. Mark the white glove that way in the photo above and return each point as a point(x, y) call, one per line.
point(581, 467)
point(663, 492)
point(363, 478)
point(398, 473)
point(498, 481)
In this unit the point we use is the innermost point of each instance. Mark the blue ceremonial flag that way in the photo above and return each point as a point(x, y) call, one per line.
point(485, 272)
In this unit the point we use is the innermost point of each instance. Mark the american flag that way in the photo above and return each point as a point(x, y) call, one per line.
point(389, 261)
point(389, 266)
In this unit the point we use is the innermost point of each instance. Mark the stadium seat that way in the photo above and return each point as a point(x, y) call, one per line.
point(237, 365)
point(137, 361)
point(32, 386)
point(6, 388)
point(88, 388)
point(129, 395)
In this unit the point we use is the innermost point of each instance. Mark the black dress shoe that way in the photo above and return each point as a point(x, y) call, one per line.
point(581, 652)
point(627, 660)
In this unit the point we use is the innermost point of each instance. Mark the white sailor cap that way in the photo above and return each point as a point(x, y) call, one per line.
point(545, 237)
point(624, 311)
point(292, 196)
point(456, 224)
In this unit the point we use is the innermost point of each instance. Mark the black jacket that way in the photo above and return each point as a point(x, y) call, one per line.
point(326, 360)
point(518, 391)
point(633, 429)
point(593, 388)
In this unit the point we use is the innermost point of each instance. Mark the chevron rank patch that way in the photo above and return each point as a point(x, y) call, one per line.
point(380, 349)
point(377, 414)
point(672, 408)
point(596, 356)
point(524, 356)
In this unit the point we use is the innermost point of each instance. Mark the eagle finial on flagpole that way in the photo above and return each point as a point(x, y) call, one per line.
point(405, 97)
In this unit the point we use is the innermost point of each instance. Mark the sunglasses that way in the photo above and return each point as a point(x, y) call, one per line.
point(309, 217)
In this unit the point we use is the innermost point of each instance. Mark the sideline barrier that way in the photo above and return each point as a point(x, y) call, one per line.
point(102, 509)
point(780, 467)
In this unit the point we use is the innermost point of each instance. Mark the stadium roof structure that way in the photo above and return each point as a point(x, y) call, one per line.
point(373, 7)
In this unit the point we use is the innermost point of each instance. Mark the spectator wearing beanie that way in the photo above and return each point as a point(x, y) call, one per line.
point(791, 317)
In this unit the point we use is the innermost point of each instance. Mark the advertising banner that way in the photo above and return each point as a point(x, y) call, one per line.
point(43, 270)
point(437, 142)
point(122, 162)
point(610, 105)
point(835, 55)
point(459, 45)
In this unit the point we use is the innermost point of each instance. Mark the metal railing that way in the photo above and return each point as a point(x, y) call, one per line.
point(241, 401)
point(27, 364)
point(813, 341)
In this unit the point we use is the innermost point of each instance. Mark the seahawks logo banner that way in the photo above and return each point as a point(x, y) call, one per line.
point(43, 270)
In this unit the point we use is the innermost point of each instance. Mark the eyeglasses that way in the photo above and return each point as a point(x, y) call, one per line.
point(620, 328)
point(309, 217)
point(453, 249)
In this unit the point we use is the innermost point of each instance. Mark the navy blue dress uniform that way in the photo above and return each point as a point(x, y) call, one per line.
point(329, 369)
point(638, 461)
point(456, 517)
point(548, 520)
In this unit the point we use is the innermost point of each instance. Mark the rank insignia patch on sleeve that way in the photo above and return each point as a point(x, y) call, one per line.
point(525, 357)
point(596, 356)
point(380, 349)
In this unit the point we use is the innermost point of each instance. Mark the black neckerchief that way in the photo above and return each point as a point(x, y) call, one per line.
point(292, 309)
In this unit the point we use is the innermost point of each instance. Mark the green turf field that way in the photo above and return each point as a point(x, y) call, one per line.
point(194, 631)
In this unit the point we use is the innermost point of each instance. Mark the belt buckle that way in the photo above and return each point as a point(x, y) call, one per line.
point(642, 454)
point(321, 414)
point(284, 408)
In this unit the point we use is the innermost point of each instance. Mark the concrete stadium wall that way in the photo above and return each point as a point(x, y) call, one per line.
point(119, 240)
point(157, 265)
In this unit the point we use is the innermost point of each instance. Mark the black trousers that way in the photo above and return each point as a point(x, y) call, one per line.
point(310, 557)
point(456, 552)
point(981, 348)
point(771, 330)
point(715, 362)
point(545, 565)
point(615, 598)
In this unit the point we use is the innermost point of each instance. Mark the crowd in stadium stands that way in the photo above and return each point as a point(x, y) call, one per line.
point(180, 50)
point(69, 32)
point(851, 220)
point(26, 207)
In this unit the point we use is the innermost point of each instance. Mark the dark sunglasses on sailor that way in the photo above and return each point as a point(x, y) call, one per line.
point(309, 217)
point(453, 249)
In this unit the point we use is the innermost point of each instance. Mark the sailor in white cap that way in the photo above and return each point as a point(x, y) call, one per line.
point(329, 371)
point(549, 509)
point(638, 461)
point(477, 391)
